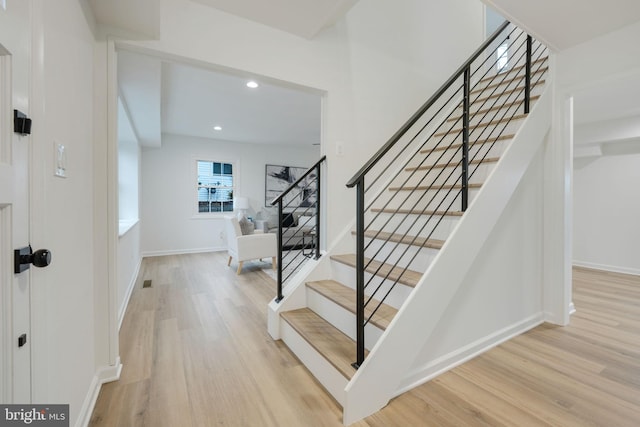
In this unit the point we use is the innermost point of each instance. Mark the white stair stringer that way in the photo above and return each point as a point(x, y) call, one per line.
point(380, 377)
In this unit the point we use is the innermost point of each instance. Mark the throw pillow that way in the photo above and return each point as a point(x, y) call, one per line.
point(289, 220)
point(246, 226)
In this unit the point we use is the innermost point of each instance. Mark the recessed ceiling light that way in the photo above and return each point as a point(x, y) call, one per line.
point(217, 128)
point(252, 84)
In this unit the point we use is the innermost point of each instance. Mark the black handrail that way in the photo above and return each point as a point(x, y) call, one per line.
point(298, 253)
point(418, 114)
point(447, 167)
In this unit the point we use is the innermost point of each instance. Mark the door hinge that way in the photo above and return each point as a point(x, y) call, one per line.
point(21, 123)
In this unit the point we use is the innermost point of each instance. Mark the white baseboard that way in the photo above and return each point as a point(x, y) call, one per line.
point(604, 267)
point(127, 297)
point(572, 308)
point(466, 353)
point(103, 375)
point(183, 251)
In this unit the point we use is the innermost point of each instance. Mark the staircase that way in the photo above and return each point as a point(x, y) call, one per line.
point(419, 187)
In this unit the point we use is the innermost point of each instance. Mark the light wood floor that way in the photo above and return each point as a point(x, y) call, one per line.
point(196, 352)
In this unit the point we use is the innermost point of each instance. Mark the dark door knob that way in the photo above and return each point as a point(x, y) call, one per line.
point(25, 256)
point(41, 258)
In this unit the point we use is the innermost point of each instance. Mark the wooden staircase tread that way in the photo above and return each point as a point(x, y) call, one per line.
point(482, 125)
point(505, 81)
point(435, 187)
point(451, 164)
point(345, 297)
point(326, 339)
point(408, 277)
point(407, 240)
point(472, 144)
point(418, 212)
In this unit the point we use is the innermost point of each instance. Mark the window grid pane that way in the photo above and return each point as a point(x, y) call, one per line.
point(215, 186)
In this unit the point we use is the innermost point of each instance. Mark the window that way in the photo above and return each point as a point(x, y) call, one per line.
point(215, 186)
point(503, 57)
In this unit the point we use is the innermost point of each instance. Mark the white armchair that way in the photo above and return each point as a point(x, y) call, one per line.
point(250, 246)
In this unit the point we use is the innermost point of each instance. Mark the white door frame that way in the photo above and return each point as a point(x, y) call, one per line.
point(112, 201)
point(6, 269)
point(15, 363)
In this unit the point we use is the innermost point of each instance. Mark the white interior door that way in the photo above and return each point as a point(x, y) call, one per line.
point(14, 204)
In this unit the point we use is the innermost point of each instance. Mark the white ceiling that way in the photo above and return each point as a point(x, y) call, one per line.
point(610, 100)
point(139, 81)
point(565, 23)
point(607, 116)
point(190, 101)
point(166, 97)
point(139, 17)
point(194, 100)
point(305, 18)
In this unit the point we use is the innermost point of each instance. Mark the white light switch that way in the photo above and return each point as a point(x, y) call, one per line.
point(60, 156)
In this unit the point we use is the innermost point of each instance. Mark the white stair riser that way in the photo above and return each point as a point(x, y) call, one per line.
point(454, 131)
point(413, 257)
point(341, 318)
point(480, 90)
point(405, 224)
point(347, 276)
point(505, 79)
point(494, 149)
point(425, 199)
point(332, 380)
point(479, 101)
point(448, 175)
point(506, 111)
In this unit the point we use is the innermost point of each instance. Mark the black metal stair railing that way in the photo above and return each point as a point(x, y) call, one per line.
point(299, 204)
point(450, 137)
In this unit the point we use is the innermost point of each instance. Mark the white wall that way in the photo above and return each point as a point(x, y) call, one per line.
point(377, 65)
point(129, 260)
point(170, 222)
point(606, 211)
point(62, 217)
point(613, 56)
point(129, 253)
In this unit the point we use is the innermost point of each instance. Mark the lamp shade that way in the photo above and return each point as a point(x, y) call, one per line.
point(240, 203)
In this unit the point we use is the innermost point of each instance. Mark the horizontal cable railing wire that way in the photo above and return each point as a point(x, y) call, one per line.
point(402, 201)
point(303, 240)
